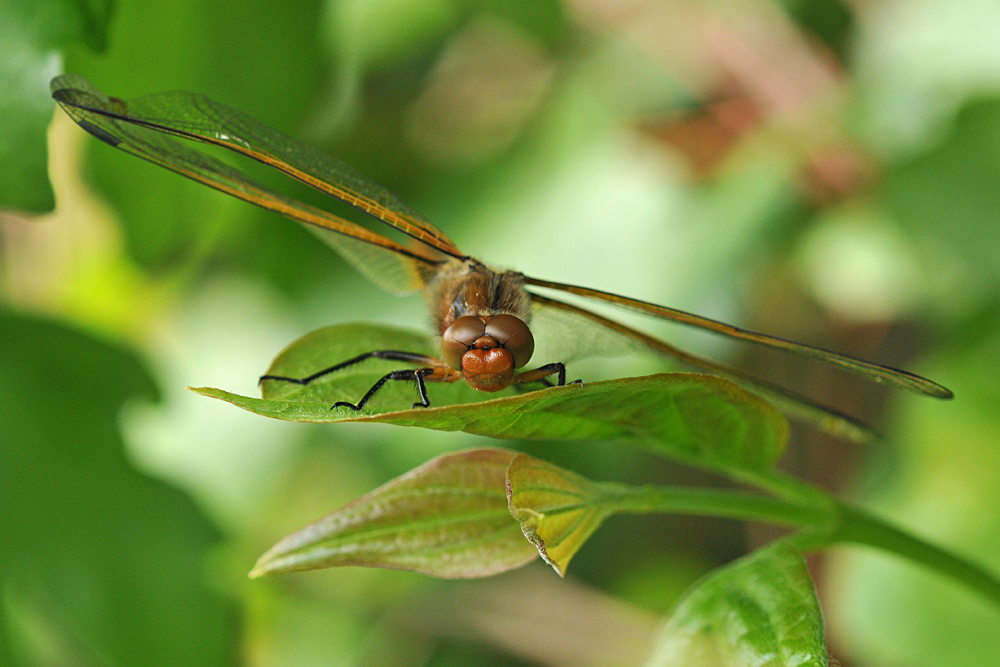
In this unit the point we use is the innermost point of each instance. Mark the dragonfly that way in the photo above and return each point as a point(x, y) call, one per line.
point(484, 315)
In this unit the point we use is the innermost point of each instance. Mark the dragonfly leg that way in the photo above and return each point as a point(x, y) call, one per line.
point(421, 376)
point(394, 355)
point(542, 373)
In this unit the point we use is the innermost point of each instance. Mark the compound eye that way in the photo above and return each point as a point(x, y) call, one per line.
point(459, 337)
point(513, 334)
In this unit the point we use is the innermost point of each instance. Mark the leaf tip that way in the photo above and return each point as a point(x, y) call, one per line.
point(264, 565)
point(560, 570)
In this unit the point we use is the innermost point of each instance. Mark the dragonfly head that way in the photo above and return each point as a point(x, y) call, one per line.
point(487, 349)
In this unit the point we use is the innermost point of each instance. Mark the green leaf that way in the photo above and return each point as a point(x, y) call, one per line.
point(208, 47)
point(99, 564)
point(56, 23)
point(955, 182)
point(26, 109)
point(557, 509)
point(761, 610)
point(700, 419)
point(32, 32)
point(447, 518)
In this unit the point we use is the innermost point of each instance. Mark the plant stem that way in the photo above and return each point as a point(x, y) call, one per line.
point(710, 502)
point(825, 523)
point(857, 526)
point(784, 486)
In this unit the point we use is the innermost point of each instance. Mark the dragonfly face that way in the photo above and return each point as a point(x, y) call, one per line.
point(487, 349)
point(482, 314)
point(483, 317)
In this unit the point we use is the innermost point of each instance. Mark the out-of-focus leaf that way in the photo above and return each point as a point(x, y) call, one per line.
point(949, 198)
point(541, 619)
point(448, 518)
point(830, 20)
point(557, 509)
point(700, 419)
point(504, 75)
point(367, 32)
point(859, 265)
point(761, 610)
point(24, 65)
point(32, 32)
point(216, 48)
point(24, 182)
point(55, 23)
point(914, 64)
point(98, 564)
point(943, 483)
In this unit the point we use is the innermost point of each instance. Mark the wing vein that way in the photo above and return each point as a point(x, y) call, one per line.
point(791, 403)
point(876, 372)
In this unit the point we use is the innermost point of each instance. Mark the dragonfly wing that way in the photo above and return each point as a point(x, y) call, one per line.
point(200, 118)
point(563, 334)
point(391, 270)
point(875, 372)
point(790, 403)
point(393, 267)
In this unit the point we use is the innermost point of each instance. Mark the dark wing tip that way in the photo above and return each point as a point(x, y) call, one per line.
point(106, 137)
point(73, 91)
point(78, 98)
point(64, 85)
point(918, 384)
point(942, 392)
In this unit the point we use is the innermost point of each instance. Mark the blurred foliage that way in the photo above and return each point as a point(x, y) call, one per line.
point(948, 198)
point(821, 170)
point(101, 564)
point(33, 33)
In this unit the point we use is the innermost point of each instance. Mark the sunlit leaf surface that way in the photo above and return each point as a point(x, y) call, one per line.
point(761, 610)
point(698, 418)
point(448, 518)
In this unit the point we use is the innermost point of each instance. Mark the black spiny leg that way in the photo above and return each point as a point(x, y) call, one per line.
point(557, 367)
point(420, 375)
point(394, 355)
point(417, 375)
point(435, 369)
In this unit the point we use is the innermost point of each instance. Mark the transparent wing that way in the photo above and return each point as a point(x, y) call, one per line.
point(563, 334)
point(200, 118)
point(395, 270)
point(875, 372)
point(604, 336)
point(144, 128)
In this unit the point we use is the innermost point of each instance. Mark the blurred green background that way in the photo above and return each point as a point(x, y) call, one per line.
point(820, 170)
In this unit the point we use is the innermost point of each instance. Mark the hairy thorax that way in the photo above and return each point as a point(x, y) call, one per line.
point(469, 287)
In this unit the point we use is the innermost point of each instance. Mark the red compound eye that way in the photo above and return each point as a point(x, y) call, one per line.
point(459, 337)
point(509, 332)
point(513, 334)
